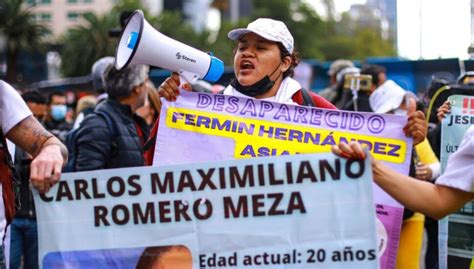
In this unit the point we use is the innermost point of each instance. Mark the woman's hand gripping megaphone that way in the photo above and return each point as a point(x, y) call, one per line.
point(169, 89)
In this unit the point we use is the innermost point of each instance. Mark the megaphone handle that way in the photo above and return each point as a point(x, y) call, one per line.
point(186, 77)
point(183, 83)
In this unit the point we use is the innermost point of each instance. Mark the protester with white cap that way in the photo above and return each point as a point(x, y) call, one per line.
point(264, 63)
point(391, 98)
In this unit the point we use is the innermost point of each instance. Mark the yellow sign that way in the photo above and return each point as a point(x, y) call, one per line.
point(256, 138)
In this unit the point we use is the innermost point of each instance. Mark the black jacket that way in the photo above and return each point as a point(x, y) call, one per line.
point(434, 136)
point(99, 147)
point(363, 103)
point(58, 128)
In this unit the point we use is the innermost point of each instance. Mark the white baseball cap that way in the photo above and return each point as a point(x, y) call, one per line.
point(269, 29)
point(388, 96)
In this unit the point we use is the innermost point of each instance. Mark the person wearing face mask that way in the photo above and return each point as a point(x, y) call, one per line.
point(390, 98)
point(56, 121)
point(264, 64)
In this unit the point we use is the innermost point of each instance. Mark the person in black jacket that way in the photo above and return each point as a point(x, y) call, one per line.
point(56, 121)
point(113, 136)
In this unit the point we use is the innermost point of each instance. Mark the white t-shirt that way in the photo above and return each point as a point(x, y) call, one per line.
point(12, 107)
point(12, 111)
point(459, 172)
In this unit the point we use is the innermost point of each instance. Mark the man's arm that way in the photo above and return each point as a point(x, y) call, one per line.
point(49, 154)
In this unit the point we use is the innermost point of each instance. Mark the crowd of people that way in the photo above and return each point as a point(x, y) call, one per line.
point(117, 126)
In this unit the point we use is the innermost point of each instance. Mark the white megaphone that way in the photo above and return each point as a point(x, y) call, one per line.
point(140, 43)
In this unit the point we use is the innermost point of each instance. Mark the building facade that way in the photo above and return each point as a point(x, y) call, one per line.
point(60, 15)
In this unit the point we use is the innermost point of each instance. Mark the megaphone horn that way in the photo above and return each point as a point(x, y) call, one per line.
point(140, 43)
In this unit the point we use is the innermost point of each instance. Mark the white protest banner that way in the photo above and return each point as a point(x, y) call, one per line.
point(300, 211)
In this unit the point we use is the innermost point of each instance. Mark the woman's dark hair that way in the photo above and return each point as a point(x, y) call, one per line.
point(295, 60)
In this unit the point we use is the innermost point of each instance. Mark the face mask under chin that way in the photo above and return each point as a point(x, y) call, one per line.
point(258, 88)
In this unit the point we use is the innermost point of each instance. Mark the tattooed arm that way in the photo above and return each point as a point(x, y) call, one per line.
point(49, 154)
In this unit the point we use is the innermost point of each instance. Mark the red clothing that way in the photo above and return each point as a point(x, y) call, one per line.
point(319, 102)
point(149, 152)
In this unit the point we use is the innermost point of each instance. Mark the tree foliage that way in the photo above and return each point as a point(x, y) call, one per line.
point(127, 5)
point(325, 39)
point(315, 38)
point(173, 25)
point(21, 31)
point(83, 45)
